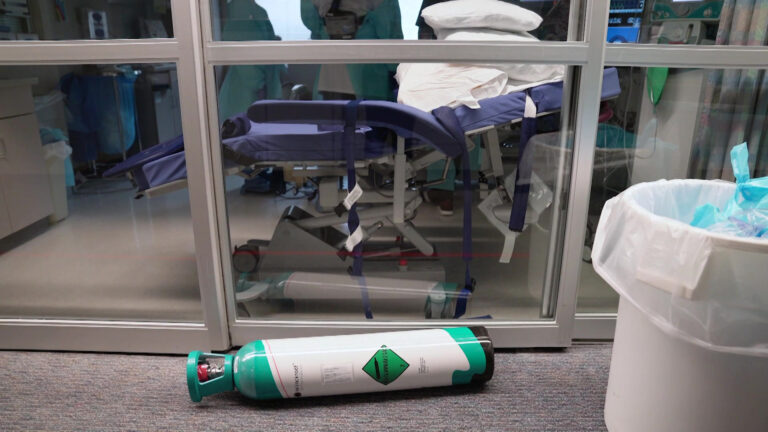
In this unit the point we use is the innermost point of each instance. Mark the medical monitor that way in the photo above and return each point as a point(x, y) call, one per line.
point(624, 21)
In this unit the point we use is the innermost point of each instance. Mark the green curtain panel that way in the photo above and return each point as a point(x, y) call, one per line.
point(735, 102)
point(246, 21)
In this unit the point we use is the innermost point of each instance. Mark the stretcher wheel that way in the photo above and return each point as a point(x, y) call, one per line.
point(245, 259)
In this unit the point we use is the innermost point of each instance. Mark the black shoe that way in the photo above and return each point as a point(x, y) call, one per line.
point(443, 199)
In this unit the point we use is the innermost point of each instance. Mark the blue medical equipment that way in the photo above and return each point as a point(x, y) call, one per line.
point(624, 21)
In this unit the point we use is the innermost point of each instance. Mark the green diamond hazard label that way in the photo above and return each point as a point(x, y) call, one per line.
point(385, 366)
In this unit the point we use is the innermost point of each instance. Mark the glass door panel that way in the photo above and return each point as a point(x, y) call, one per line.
point(88, 231)
point(240, 20)
point(287, 179)
point(687, 131)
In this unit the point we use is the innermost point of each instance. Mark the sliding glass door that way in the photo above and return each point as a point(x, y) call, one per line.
point(436, 236)
point(93, 256)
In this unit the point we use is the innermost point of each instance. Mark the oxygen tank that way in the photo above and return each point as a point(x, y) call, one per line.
point(332, 365)
point(434, 299)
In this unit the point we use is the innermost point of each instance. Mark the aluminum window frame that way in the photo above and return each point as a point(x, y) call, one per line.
point(601, 326)
point(196, 54)
point(587, 55)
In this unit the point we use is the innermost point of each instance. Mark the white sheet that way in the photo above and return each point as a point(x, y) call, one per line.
point(520, 72)
point(431, 85)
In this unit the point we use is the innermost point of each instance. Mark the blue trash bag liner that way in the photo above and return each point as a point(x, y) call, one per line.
point(51, 135)
point(746, 213)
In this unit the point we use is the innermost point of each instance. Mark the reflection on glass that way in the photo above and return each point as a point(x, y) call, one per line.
point(80, 146)
point(687, 22)
point(672, 124)
point(348, 217)
point(241, 85)
point(393, 19)
point(85, 19)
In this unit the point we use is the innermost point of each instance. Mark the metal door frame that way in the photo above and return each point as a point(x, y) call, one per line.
point(196, 54)
point(586, 55)
point(602, 325)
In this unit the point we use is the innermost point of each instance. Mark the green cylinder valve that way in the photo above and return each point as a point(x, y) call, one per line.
point(208, 374)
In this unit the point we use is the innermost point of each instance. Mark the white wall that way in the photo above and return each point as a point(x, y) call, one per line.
point(409, 12)
point(286, 18)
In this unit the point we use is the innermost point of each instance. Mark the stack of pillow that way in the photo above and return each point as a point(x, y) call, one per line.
point(431, 85)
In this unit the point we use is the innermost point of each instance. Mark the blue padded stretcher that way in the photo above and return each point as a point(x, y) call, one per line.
point(247, 140)
point(135, 164)
point(308, 142)
point(510, 107)
point(344, 131)
point(165, 163)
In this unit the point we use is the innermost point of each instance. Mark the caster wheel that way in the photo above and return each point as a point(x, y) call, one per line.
point(245, 259)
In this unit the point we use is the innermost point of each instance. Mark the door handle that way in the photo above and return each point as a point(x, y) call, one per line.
point(2, 148)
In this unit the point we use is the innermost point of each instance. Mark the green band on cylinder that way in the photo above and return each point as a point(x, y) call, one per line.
point(472, 350)
point(253, 363)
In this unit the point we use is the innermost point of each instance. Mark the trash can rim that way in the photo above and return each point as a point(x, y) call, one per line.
point(734, 242)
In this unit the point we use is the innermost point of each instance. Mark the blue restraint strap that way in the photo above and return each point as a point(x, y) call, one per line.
point(353, 221)
point(448, 119)
point(523, 177)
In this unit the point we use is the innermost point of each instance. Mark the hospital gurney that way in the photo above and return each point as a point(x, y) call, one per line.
point(325, 142)
point(421, 138)
point(311, 133)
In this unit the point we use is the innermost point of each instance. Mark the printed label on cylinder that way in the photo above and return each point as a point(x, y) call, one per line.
point(364, 363)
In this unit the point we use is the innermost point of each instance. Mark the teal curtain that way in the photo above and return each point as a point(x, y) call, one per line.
point(735, 101)
point(243, 84)
point(370, 81)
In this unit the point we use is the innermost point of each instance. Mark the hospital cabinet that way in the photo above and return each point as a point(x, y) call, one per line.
point(25, 195)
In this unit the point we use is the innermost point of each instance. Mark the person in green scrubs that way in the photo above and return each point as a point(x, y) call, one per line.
point(243, 84)
point(378, 19)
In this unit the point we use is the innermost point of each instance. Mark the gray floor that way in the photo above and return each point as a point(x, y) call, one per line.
point(113, 257)
point(117, 258)
point(532, 390)
point(595, 295)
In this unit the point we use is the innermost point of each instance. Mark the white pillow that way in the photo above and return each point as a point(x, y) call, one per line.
point(483, 34)
point(494, 14)
point(524, 72)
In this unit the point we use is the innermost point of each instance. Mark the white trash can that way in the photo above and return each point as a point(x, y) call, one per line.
point(50, 110)
point(56, 154)
point(691, 345)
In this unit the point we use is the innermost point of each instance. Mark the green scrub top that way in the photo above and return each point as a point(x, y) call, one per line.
point(370, 81)
point(247, 21)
